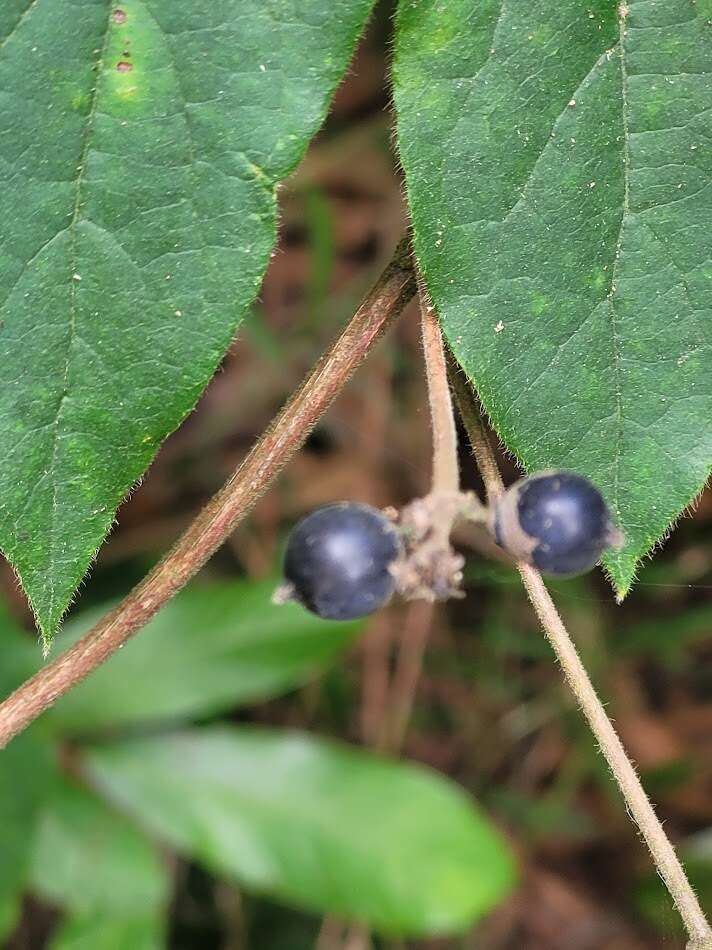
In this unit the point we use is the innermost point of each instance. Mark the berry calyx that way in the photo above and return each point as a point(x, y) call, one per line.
point(558, 521)
point(338, 559)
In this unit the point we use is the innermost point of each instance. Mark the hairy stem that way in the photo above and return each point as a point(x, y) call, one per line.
point(639, 807)
point(446, 476)
point(393, 290)
point(446, 481)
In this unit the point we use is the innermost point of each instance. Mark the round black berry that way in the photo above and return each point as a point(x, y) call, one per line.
point(338, 558)
point(557, 521)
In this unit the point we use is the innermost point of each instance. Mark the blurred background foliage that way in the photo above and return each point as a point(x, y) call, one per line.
point(197, 791)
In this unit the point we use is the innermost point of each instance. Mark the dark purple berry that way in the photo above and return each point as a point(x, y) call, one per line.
point(338, 558)
point(557, 521)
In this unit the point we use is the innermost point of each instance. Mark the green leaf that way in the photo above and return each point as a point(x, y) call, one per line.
point(141, 144)
point(212, 648)
point(559, 172)
point(88, 859)
point(26, 776)
point(102, 932)
point(316, 824)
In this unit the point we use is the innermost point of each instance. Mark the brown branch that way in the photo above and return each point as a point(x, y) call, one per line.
point(393, 290)
point(639, 806)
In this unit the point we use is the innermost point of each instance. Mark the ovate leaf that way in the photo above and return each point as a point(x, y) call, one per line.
point(141, 143)
point(212, 648)
point(558, 159)
point(322, 826)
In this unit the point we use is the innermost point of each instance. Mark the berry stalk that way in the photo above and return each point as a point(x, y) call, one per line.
point(429, 568)
point(666, 860)
point(446, 475)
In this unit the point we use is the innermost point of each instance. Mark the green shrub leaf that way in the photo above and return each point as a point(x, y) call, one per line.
point(141, 143)
point(316, 824)
point(559, 171)
point(214, 647)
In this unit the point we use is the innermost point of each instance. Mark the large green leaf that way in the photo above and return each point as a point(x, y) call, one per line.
point(88, 859)
point(559, 168)
point(212, 648)
point(322, 826)
point(141, 143)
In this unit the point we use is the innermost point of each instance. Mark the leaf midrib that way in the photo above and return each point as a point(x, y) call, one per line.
point(610, 294)
point(615, 334)
point(73, 265)
point(72, 229)
point(619, 50)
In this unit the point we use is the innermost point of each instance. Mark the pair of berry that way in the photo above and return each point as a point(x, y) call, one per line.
point(338, 559)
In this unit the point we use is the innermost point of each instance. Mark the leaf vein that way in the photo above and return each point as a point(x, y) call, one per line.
point(615, 329)
point(72, 228)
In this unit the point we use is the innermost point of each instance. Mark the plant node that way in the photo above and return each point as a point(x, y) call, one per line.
point(429, 568)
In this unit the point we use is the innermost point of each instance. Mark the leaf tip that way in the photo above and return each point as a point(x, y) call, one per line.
point(47, 610)
point(621, 570)
point(48, 623)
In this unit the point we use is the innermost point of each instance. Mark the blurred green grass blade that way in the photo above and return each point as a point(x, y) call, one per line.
point(268, 345)
point(551, 816)
point(141, 146)
point(559, 173)
point(667, 639)
point(88, 859)
point(104, 932)
point(322, 249)
point(210, 649)
point(316, 824)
